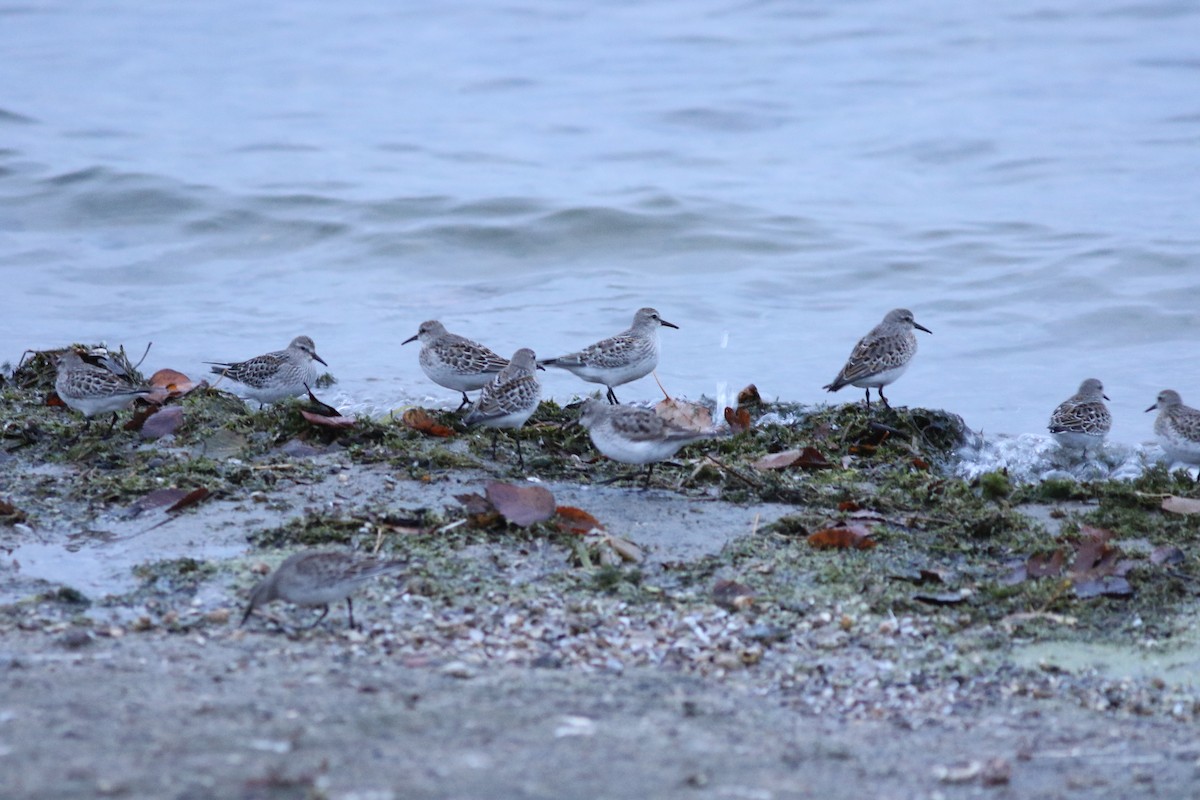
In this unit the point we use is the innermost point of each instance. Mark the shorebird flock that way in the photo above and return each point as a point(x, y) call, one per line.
point(510, 393)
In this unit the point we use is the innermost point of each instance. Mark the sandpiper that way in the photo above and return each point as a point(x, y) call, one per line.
point(510, 399)
point(455, 361)
point(1177, 427)
point(92, 390)
point(881, 356)
point(629, 355)
point(635, 435)
point(275, 376)
point(1082, 420)
point(317, 579)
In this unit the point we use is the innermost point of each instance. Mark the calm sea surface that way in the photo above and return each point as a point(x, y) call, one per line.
point(219, 177)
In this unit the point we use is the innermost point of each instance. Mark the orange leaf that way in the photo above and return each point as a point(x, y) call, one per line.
point(576, 521)
point(738, 420)
point(173, 384)
point(53, 399)
point(419, 420)
point(849, 537)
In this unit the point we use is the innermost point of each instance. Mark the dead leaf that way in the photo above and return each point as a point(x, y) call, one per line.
point(749, 397)
point(848, 537)
point(691, 416)
point(521, 505)
point(53, 400)
point(1181, 505)
point(576, 521)
point(162, 422)
point(808, 458)
point(733, 596)
point(189, 499)
point(848, 505)
point(474, 503)
point(1095, 558)
point(738, 420)
point(320, 407)
point(174, 384)
point(420, 421)
point(10, 514)
point(625, 549)
point(1041, 565)
point(158, 498)
point(920, 463)
point(328, 422)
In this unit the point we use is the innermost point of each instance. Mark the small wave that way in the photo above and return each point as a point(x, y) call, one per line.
point(1032, 457)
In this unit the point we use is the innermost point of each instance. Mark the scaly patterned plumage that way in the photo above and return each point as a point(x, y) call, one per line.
point(1177, 427)
point(509, 400)
point(881, 356)
point(92, 390)
point(635, 435)
point(275, 376)
point(629, 355)
point(455, 361)
point(318, 579)
point(1082, 420)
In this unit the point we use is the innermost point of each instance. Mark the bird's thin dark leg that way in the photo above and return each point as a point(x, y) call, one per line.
point(886, 404)
point(349, 611)
point(612, 397)
point(324, 611)
point(868, 399)
point(466, 402)
point(111, 425)
point(495, 438)
point(649, 472)
point(520, 455)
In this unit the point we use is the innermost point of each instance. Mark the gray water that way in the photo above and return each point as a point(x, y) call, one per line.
point(219, 177)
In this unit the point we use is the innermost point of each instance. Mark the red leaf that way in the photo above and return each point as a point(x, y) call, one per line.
point(848, 537)
point(576, 521)
point(521, 505)
point(749, 397)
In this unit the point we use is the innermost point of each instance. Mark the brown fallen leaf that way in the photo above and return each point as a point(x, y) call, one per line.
point(732, 596)
point(848, 505)
point(738, 420)
point(328, 422)
point(420, 421)
point(521, 505)
point(10, 514)
point(749, 397)
point(692, 416)
point(855, 537)
point(808, 458)
point(53, 399)
point(162, 422)
point(474, 503)
point(189, 499)
point(575, 520)
point(159, 498)
point(1181, 505)
point(1042, 565)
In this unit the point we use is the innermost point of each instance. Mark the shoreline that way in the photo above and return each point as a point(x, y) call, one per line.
point(728, 622)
